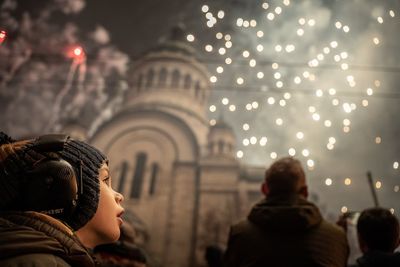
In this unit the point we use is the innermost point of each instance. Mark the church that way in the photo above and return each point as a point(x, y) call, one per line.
point(179, 174)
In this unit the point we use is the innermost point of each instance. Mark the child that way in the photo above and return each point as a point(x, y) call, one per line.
point(56, 202)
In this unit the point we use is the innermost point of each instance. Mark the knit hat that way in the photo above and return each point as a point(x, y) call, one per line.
point(19, 158)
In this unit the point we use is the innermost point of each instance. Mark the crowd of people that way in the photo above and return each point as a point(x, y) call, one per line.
point(58, 208)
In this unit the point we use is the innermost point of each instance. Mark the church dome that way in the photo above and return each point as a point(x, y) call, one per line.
point(170, 75)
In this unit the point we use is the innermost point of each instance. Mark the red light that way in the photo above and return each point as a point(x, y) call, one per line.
point(78, 51)
point(3, 36)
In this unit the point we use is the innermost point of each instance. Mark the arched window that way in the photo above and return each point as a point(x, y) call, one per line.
point(197, 89)
point(187, 83)
point(138, 176)
point(153, 181)
point(150, 78)
point(176, 76)
point(122, 176)
point(140, 82)
point(220, 147)
point(163, 77)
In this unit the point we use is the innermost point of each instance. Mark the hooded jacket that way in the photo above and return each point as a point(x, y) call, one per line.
point(378, 259)
point(35, 239)
point(286, 232)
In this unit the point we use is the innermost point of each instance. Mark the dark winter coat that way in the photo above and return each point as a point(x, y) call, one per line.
point(378, 259)
point(34, 239)
point(286, 233)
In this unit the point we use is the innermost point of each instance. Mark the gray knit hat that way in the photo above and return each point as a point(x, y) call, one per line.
point(18, 158)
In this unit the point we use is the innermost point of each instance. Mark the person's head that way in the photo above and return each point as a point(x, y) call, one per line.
point(285, 178)
point(378, 229)
point(64, 178)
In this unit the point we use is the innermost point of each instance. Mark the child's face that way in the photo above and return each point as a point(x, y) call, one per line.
point(104, 227)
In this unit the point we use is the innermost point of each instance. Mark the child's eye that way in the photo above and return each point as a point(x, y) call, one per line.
point(107, 180)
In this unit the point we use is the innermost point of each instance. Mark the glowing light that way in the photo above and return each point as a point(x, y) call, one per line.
point(249, 107)
point(232, 108)
point(278, 48)
point(253, 23)
point(246, 23)
point(378, 140)
point(346, 107)
point(391, 13)
point(286, 2)
point(253, 140)
point(282, 103)
point(311, 109)
point(344, 66)
point(277, 75)
point(279, 84)
point(278, 10)
point(270, 16)
point(380, 20)
point(297, 80)
point(378, 184)
point(228, 44)
point(332, 91)
point(275, 66)
point(346, 28)
point(219, 35)
point(305, 152)
point(205, 8)
point(328, 181)
point(287, 96)
point(263, 141)
point(338, 24)
point(239, 80)
point(271, 100)
point(252, 63)
point(396, 188)
point(265, 5)
point(239, 22)
point(344, 55)
point(376, 40)
point(254, 104)
point(327, 123)
point(260, 75)
point(335, 102)
point(327, 50)
point(311, 22)
point(292, 151)
point(346, 129)
point(365, 103)
point(3, 36)
point(78, 51)
point(279, 121)
point(336, 58)
point(347, 181)
point(273, 155)
point(319, 93)
point(333, 44)
point(228, 60)
point(332, 140)
point(239, 154)
point(346, 122)
point(310, 163)
point(302, 21)
point(290, 48)
point(222, 51)
point(320, 57)
point(225, 101)
point(343, 209)
point(370, 91)
point(316, 116)
point(221, 14)
point(260, 34)
point(246, 54)
point(227, 37)
point(395, 165)
point(330, 146)
point(300, 32)
point(208, 48)
point(246, 142)
point(392, 210)
point(220, 69)
point(260, 47)
point(213, 122)
point(300, 135)
point(213, 108)
point(213, 79)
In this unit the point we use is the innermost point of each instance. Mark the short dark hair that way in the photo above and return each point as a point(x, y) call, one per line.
point(379, 229)
point(285, 176)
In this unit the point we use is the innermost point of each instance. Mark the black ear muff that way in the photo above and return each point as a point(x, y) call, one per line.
point(51, 186)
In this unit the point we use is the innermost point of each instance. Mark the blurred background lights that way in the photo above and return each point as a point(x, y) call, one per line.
point(300, 135)
point(328, 181)
point(279, 121)
point(292, 151)
point(239, 154)
point(273, 155)
point(305, 152)
point(213, 108)
point(190, 37)
point(225, 101)
point(378, 184)
point(343, 209)
point(378, 140)
point(347, 181)
point(395, 165)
